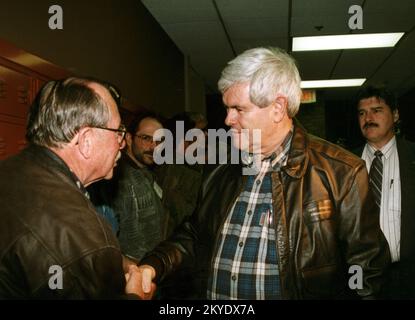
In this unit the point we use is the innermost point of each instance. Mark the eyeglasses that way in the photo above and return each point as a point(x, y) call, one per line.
point(147, 139)
point(121, 131)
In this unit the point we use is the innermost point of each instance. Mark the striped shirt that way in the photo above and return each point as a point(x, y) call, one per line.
point(245, 261)
point(390, 209)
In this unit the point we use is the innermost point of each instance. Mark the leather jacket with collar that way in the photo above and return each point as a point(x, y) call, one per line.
point(325, 222)
point(53, 244)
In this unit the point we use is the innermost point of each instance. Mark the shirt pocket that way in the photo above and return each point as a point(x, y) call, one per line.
point(319, 244)
point(394, 195)
point(318, 210)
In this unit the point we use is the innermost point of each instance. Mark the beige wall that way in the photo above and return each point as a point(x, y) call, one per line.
point(116, 40)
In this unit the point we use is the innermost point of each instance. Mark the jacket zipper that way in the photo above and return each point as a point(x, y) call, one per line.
point(276, 233)
point(283, 212)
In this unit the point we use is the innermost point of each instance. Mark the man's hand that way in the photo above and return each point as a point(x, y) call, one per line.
point(126, 262)
point(140, 281)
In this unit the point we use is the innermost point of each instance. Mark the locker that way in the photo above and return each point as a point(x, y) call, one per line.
point(12, 135)
point(15, 98)
point(21, 77)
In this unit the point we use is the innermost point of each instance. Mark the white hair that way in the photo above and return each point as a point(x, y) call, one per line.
point(269, 71)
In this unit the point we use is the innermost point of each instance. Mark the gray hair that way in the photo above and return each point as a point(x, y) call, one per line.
point(62, 108)
point(270, 71)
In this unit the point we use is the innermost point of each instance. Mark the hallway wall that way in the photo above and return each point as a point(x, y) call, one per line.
point(118, 41)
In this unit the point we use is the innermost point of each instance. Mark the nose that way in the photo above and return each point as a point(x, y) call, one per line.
point(150, 146)
point(369, 116)
point(230, 117)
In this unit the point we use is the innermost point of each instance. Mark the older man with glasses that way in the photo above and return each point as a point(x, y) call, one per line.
point(53, 244)
point(121, 131)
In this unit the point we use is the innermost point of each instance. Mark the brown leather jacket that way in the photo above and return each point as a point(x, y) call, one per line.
point(46, 221)
point(325, 221)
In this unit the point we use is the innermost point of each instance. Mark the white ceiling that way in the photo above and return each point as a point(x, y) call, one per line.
point(212, 32)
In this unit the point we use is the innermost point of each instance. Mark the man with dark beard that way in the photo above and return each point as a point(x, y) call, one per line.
point(137, 196)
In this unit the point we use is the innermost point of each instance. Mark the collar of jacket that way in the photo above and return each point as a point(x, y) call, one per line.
point(298, 156)
point(126, 158)
point(47, 158)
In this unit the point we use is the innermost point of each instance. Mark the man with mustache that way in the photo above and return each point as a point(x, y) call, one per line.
point(395, 185)
point(289, 230)
point(53, 244)
point(136, 194)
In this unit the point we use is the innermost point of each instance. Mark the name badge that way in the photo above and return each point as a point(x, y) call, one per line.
point(158, 190)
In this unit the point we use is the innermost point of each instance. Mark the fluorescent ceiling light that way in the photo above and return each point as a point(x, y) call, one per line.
point(348, 41)
point(332, 83)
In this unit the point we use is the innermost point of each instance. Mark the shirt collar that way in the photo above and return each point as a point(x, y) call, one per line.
point(386, 150)
point(278, 158)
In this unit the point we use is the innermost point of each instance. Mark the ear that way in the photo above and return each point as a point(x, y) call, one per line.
point(85, 143)
point(395, 115)
point(129, 140)
point(279, 108)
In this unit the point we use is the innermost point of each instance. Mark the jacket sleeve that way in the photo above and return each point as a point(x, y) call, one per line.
point(359, 231)
point(139, 216)
point(96, 274)
point(176, 252)
point(130, 233)
point(183, 248)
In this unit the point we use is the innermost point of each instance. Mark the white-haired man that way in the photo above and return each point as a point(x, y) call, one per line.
point(291, 230)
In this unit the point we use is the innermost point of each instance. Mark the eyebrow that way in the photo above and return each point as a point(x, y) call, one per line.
point(370, 108)
point(234, 107)
point(376, 107)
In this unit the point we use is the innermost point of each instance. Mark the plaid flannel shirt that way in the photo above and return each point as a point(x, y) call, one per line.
point(245, 262)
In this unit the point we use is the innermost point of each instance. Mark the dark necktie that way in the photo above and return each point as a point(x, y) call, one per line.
point(375, 177)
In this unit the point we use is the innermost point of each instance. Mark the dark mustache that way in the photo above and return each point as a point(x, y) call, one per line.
point(370, 124)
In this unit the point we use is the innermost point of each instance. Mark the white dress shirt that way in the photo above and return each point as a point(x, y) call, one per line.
point(390, 209)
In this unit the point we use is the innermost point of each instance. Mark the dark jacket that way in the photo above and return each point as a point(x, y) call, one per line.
point(406, 154)
point(315, 247)
point(180, 184)
point(46, 220)
point(142, 222)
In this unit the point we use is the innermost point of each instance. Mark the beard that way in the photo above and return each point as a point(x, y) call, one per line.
point(144, 157)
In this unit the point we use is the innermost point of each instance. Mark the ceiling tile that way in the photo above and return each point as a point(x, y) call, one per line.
point(332, 16)
point(315, 65)
point(195, 26)
point(172, 11)
point(256, 28)
point(397, 72)
point(358, 63)
point(248, 9)
point(245, 44)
